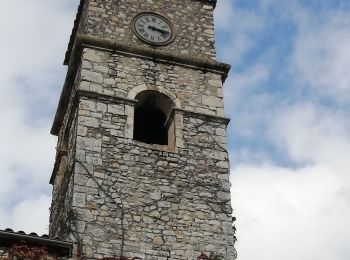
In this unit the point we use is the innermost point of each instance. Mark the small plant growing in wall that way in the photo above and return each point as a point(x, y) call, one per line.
point(121, 258)
point(212, 256)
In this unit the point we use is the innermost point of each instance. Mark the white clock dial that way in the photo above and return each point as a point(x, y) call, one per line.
point(153, 28)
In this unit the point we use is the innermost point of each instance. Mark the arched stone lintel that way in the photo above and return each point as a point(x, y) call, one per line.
point(135, 91)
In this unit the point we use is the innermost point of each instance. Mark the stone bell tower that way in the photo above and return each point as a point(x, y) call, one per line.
point(142, 166)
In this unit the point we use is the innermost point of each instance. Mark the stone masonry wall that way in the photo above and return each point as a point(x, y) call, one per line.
point(61, 214)
point(116, 75)
point(193, 22)
point(164, 205)
point(117, 196)
point(146, 200)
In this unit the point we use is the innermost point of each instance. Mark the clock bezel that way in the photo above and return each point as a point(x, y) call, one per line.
point(173, 31)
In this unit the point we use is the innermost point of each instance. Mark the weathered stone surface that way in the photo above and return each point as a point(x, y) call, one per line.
point(212, 101)
point(158, 241)
point(167, 202)
point(181, 82)
point(79, 199)
point(110, 21)
point(91, 76)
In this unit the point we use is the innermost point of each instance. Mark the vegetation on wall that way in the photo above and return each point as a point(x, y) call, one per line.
point(22, 251)
point(212, 256)
point(203, 256)
point(121, 258)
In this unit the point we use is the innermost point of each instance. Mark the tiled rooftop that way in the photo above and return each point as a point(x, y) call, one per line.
point(8, 237)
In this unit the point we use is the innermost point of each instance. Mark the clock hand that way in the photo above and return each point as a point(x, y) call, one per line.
point(157, 29)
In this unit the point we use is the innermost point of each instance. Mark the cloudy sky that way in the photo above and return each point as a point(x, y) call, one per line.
point(287, 95)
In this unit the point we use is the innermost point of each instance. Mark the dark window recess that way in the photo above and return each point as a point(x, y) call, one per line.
point(152, 118)
point(149, 126)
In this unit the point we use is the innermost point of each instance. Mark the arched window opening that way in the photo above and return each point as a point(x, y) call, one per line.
point(152, 118)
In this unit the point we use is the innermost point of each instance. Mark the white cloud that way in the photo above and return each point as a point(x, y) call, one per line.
point(232, 19)
point(321, 59)
point(291, 214)
point(224, 14)
point(240, 26)
point(312, 133)
point(29, 220)
point(34, 30)
point(239, 85)
point(34, 38)
point(292, 194)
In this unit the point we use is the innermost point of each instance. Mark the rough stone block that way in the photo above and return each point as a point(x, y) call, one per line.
point(212, 101)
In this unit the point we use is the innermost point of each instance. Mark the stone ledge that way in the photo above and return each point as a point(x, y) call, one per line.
point(104, 97)
point(85, 41)
point(157, 55)
point(208, 117)
point(116, 99)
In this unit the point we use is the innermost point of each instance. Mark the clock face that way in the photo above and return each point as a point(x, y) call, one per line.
point(153, 28)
